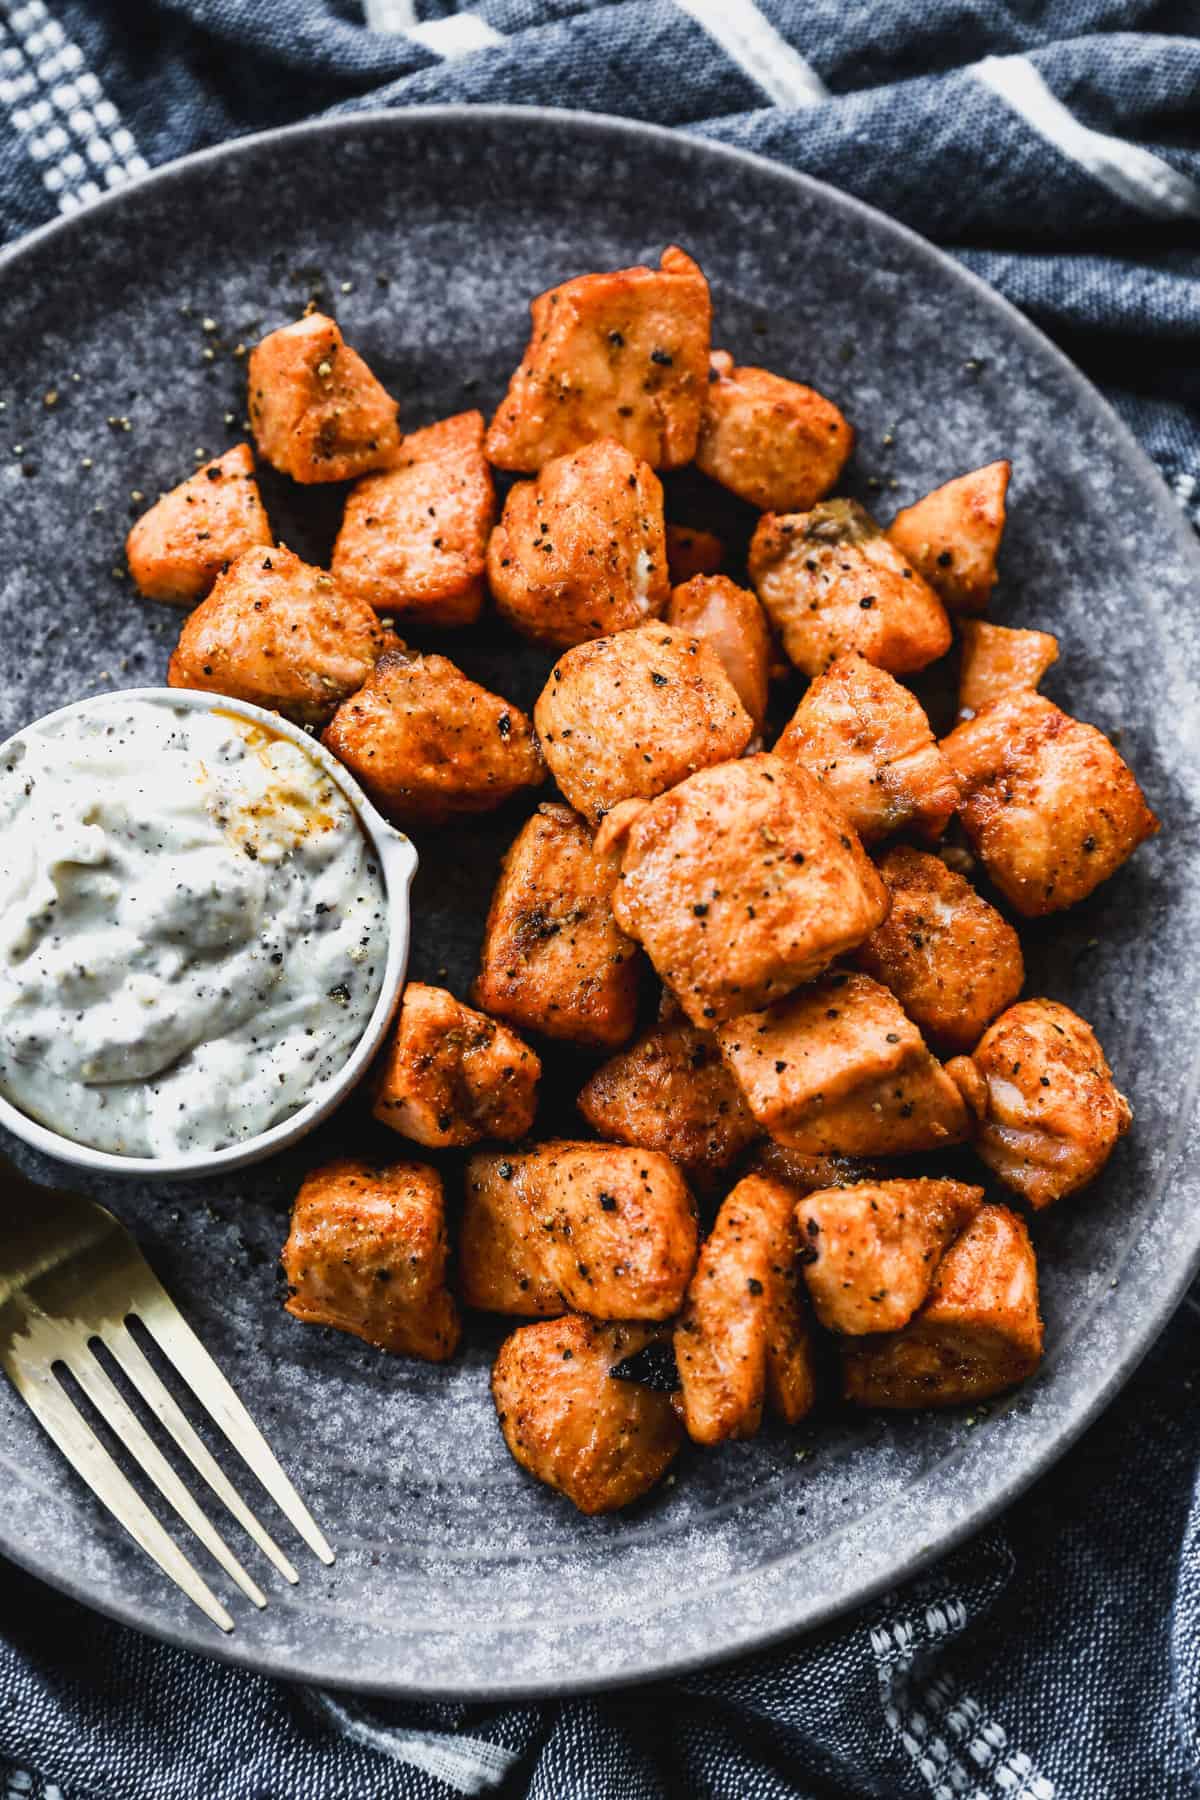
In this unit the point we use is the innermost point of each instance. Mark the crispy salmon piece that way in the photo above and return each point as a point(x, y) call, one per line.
point(1048, 804)
point(573, 1424)
point(978, 1333)
point(951, 537)
point(554, 959)
point(316, 410)
point(997, 661)
point(950, 959)
point(775, 443)
point(450, 1076)
point(732, 622)
point(806, 1174)
point(503, 1265)
point(622, 356)
point(839, 1068)
point(671, 1091)
point(742, 882)
point(177, 549)
point(1049, 1114)
point(692, 552)
point(630, 715)
point(367, 1254)
point(580, 552)
point(606, 1229)
point(832, 582)
point(743, 1336)
point(869, 743)
point(871, 1251)
point(414, 537)
point(428, 744)
point(281, 634)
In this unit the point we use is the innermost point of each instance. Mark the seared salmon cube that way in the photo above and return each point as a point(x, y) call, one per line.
point(997, 661)
point(839, 1068)
point(316, 410)
point(671, 1091)
point(741, 883)
point(177, 549)
point(554, 959)
point(428, 744)
point(731, 622)
point(572, 1422)
point(692, 552)
point(503, 1265)
point(978, 1333)
point(775, 443)
point(1049, 805)
point(414, 537)
point(281, 634)
point(806, 1174)
point(832, 582)
point(580, 552)
point(869, 743)
point(630, 715)
point(952, 536)
point(951, 960)
point(609, 1230)
point(1047, 1108)
point(743, 1337)
point(622, 356)
point(367, 1254)
point(451, 1076)
point(871, 1251)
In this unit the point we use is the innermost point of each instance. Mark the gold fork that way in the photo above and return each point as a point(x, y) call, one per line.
point(71, 1275)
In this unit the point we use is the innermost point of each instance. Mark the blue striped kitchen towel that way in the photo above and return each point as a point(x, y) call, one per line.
point(1054, 148)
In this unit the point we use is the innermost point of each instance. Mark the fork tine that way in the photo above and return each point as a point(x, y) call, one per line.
point(54, 1409)
point(158, 1397)
point(109, 1402)
point(171, 1331)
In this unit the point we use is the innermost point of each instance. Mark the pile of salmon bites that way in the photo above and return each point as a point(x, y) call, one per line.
point(834, 990)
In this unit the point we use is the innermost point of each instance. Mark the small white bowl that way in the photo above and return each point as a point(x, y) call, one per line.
point(397, 863)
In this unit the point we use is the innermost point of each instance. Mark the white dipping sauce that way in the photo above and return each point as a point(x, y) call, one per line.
point(193, 927)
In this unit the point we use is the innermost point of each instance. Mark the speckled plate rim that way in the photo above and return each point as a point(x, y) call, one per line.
point(1135, 1342)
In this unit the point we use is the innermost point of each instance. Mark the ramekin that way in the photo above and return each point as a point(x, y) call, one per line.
point(397, 864)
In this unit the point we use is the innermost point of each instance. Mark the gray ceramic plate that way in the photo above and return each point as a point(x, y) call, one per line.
point(455, 1573)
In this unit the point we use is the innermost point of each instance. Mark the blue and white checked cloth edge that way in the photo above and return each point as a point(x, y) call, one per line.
point(1059, 156)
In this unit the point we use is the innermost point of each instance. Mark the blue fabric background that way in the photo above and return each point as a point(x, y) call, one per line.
point(1058, 1658)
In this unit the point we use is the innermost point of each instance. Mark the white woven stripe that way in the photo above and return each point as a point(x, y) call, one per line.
point(469, 1765)
point(459, 34)
point(1133, 174)
point(18, 1784)
point(753, 43)
point(390, 15)
point(1186, 489)
point(70, 128)
point(959, 1753)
